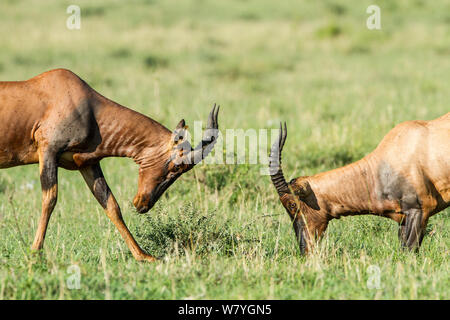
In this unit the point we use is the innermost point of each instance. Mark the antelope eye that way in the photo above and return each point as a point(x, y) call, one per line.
point(179, 167)
point(292, 205)
point(171, 175)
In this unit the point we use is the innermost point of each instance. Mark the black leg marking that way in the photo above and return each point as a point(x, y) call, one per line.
point(394, 187)
point(412, 232)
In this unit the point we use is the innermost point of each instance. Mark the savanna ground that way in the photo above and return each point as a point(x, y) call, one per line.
point(220, 229)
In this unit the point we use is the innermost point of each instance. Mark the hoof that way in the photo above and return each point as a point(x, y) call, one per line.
point(147, 258)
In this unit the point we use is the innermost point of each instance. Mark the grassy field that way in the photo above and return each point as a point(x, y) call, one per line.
point(220, 229)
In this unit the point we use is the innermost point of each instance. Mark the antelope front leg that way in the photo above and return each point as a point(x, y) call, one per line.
point(412, 230)
point(49, 183)
point(94, 178)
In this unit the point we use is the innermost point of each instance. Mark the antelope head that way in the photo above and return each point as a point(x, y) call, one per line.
point(179, 158)
point(297, 198)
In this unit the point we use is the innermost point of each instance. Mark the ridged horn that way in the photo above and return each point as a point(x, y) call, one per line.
point(210, 136)
point(275, 171)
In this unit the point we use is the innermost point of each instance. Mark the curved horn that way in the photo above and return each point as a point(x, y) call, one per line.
point(209, 138)
point(276, 173)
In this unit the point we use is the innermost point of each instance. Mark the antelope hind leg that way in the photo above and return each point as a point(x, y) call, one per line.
point(96, 182)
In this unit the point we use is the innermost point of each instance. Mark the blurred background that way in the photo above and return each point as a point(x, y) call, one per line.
point(340, 86)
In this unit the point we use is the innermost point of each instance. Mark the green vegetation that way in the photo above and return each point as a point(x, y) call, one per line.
point(220, 230)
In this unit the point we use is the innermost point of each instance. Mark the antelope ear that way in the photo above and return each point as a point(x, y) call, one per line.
point(181, 124)
point(301, 188)
point(179, 132)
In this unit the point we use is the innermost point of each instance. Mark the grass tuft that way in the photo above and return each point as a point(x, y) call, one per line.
point(188, 230)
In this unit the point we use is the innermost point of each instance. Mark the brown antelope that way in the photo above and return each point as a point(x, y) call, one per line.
point(406, 178)
point(57, 120)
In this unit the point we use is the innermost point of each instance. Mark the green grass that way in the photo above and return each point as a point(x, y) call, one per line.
point(220, 230)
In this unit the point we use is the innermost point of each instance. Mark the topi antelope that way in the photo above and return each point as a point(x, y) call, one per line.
point(57, 120)
point(406, 178)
